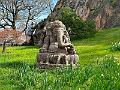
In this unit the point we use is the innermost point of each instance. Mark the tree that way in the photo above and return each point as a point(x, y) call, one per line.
point(79, 27)
point(9, 35)
point(16, 12)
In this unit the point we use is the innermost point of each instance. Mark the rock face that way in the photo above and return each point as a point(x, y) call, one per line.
point(56, 48)
point(106, 13)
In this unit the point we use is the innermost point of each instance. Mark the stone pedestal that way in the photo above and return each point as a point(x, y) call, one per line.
point(45, 60)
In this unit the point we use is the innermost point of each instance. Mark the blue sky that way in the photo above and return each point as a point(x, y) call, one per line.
point(47, 13)
point(44, 14)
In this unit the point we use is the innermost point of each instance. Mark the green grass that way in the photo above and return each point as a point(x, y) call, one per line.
point(13, 60)
point(19, 53)
point(96, 72)
point(98, 46)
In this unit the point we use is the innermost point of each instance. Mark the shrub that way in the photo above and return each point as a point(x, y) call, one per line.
point(79, 27)
point(116, 46)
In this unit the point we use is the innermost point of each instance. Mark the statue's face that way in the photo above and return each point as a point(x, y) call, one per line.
point(54, 25)
point(58, 24)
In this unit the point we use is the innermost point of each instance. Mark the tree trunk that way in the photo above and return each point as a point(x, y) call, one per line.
point(31, 41)
point(26, 36)
point(14, 20)
point(4, 47)
point(13, 25)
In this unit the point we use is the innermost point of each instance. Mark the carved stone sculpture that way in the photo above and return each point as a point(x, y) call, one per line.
point(56, 47)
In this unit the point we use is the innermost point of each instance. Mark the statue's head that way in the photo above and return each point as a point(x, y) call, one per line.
point(49, 26)
point(54, 24)
point(57, 24)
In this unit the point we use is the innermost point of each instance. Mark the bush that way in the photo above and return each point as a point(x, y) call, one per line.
point(116, 46)
point(79, 27)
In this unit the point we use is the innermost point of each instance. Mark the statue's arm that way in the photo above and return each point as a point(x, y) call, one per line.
point(40, 43)
point(60, 35)
point(41, 39)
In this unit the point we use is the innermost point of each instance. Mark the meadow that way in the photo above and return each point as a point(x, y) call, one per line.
point(98, 67)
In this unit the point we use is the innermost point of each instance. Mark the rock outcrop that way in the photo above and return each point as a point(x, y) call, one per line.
point(106, 13)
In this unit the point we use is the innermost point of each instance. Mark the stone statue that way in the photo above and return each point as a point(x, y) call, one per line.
point(56, 48)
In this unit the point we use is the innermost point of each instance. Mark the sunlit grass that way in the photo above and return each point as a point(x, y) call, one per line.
point(97, 46)
point(104, 75)
point(19, 53)
point(96, 72)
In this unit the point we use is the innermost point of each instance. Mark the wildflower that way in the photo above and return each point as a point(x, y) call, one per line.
point(106, 55)
point(102, 75)
point(97, 58)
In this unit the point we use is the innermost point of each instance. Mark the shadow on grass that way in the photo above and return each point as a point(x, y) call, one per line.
point(15, 65)
point(28, 47)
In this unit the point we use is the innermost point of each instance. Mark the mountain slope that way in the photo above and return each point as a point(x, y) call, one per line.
point(98, 46)
point(106, 13)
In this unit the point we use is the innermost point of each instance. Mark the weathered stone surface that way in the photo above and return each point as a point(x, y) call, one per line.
point(106, 13)
point(56, 47)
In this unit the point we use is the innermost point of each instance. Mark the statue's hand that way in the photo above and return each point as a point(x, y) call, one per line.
point(71, 45)
point(43, 50)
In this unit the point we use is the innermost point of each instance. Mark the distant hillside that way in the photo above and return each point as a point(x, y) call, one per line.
point(106, 13)
point(98, 46)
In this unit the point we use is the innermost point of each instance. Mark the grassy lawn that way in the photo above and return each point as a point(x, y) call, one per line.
point(25, 54)
point(96, 47)
point(18, 71)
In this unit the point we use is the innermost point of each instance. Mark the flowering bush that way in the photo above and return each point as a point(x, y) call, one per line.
point(116, 46)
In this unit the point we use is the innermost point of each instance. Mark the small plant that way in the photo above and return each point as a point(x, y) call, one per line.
point(116, 46)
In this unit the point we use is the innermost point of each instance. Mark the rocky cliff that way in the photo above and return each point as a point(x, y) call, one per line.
point(106, 13)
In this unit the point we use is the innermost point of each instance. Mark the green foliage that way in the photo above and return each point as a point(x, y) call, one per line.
point(113, 2)
point(80, 28)
point(116, 46)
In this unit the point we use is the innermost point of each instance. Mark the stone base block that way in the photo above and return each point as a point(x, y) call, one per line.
point(46, 60)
